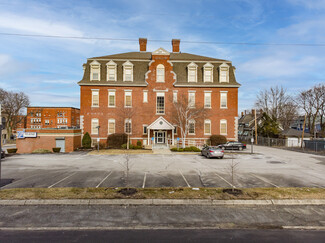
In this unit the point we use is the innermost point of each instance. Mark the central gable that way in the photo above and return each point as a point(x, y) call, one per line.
point(161, 124)
point(160, 51)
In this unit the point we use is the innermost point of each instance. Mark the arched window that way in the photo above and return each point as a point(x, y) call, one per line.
point(160, 73)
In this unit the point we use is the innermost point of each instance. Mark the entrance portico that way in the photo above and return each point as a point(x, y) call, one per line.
point(161, 131)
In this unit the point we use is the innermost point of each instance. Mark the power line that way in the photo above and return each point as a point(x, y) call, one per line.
point(183, 41)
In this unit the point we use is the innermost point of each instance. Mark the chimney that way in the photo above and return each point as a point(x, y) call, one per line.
point(253, 112)
point(175, 43)
point(242, 114)
point(143, 44)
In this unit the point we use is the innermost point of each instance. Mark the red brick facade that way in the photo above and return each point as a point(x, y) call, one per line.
point(47, 139)
point(146, 111)
point(52, 117)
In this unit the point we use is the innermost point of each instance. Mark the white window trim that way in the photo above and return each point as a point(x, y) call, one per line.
point(145, 95)
point(224, 92)
point(208, 67)
point(160, 66)
point(207, 121)
point(92, 65)
point(129, 121)
point(191, 121)
point(226, 66)
point(111, 91)
point(160, 94)
point(208, 92)
point(191, 92)
point(92, 97)
point(127, 65)
point(191, 66)
point(223, 121)
point(92, 122)
point(111, 120)
point(125, 92)
point(175, 92)
point(143, 126)
point(109, 65)
point(175, 129)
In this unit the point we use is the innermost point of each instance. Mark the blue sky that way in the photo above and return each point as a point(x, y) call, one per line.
point(47, 69)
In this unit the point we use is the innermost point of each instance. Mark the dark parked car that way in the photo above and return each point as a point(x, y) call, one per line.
point(212, 152)
point(233, 146)
point(2, 154)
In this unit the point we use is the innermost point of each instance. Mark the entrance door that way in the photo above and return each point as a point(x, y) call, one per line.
point(160, 137)
point(60, 143)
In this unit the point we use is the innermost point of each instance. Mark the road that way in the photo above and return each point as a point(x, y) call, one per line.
point(173, 235)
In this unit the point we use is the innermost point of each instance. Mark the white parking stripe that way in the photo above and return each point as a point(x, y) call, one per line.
point(184, 178)
point(225, 180)
point(144, 179)
point(62, 180)
point(262, 179)
point(104, 179)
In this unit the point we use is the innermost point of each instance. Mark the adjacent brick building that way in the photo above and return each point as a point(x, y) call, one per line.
point(52, 117)
point(149, 83)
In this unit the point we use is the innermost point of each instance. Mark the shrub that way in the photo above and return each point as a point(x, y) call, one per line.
point(116, 140)
point(56, 150)
point(41, 151)
point(216, 140)
point(12, 150)
point(86, 140)
point(139, 144)
point(187, 149)
point(123, 146)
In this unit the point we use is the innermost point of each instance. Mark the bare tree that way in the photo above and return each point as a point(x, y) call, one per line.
point(13, 105)
point(125, 115)
point(233, 169)
point(184, 112)
point(276, 103)
point(312, 102)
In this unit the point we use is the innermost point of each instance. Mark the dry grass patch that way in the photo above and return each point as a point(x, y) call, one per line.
point(161, 193)
point(120, 151)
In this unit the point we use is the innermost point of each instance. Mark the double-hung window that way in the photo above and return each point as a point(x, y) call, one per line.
point(223, 99)
point(160, 103)
point(175, 96)
point(145, 96)
point(95, 71)
point(208, 72)
point(111, 98)
point(191, 129)
point(223, 127)
point(111, 126)
point(94, 126)
point(128, 99)
point(207, 99)
point(224, 73)
point(111, 71)
point(95, 98)
point(191, 99)
point(128, 126)
point(192, 72)
point(128, 71)
point(207, 127)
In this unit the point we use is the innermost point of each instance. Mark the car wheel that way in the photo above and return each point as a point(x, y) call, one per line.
point(240, 148)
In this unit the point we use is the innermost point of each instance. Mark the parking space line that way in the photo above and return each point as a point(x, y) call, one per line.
point(184, 178)
point(62, 180)
point(225, 180)
point(262, 179)
point(104, 179)
point(144, 179)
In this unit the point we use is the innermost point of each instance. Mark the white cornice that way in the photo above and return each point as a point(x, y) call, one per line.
point(208, 86)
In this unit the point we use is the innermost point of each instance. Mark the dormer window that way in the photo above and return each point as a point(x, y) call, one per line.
point(160, 73)
point(208, 72)
point(128, 71)
point(192, 72)
point(111, 71)
point(95, 71)
point(224, 73)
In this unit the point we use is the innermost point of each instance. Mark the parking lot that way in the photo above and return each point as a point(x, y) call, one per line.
point(268, 167)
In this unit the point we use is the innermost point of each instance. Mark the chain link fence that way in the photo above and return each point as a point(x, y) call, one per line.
point(271, 142)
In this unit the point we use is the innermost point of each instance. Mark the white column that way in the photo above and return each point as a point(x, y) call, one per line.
point(148, 131)
point(173, 142)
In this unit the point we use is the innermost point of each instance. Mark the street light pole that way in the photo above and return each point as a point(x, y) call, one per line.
point(98, 139)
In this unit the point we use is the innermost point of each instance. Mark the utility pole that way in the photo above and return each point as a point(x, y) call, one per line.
point(255, 127)
point(303, 131)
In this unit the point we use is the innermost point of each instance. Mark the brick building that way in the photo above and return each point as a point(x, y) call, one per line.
point(52, 117)
point(149, 83)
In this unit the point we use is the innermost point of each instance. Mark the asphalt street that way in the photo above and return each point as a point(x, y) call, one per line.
point(173, 235)
point(268, 167)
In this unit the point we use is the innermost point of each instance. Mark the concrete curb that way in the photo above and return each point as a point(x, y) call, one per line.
point(198, 202)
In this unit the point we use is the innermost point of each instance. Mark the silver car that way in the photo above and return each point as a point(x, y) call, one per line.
point(212, 152)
